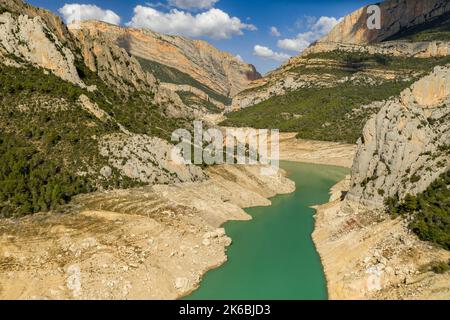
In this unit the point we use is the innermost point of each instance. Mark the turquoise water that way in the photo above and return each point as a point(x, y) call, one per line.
point(273, 256)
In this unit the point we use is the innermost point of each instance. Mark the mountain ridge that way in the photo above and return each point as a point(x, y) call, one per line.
point(218, 70)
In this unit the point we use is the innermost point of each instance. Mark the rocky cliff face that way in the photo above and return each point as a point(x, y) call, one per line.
point(405, 147)
point(366, 253)
point(31, 40)
point(53, 22)
point(217, 70)
point(396, 16)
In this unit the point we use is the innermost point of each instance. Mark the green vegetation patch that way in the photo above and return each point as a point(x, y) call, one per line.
point(356, 61)
point(429, 211)
point(30, 183)
point(317, 113)
point(171, 75)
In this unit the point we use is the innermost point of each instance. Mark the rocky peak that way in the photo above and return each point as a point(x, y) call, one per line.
point(396, 16)
point(429, 92)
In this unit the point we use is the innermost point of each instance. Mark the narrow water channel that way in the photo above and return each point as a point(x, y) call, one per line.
point(273, 256)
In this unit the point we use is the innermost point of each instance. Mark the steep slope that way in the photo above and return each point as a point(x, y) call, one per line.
point(396, 15)
point(346, 76)
point(203, 66)
point(405, 146)
point(64, 101)
point(144, 243)
point(329, 95)
point(397, 251)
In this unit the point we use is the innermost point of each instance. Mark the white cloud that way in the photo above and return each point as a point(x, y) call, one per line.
point(213, 23)
point(268, 53)
point(274, 32)
point(317, 29)
point(193, 4)
point(238, 56)
point(79, 12)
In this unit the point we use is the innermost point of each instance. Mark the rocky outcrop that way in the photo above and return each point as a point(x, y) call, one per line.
point(368, 255)
point(147, 159)
point(113, 64)
point(197, 92)
point(405, 147)
point(396, 16)
point(217, 70)
point(31, 40)
point(52, 21)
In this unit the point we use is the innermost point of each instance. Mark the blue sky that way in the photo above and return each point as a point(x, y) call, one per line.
point(241, 27)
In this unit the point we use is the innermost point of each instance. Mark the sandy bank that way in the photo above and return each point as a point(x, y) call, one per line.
point(148, 243)
point(318, 152)
point(367, 255)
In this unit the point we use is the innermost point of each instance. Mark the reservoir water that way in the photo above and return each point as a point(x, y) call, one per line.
point(273, 256)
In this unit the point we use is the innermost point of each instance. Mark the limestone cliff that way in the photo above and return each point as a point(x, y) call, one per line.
point(366, 253)
point(112, 63)
point(404, 147)
point(396, 16)
point(217, 70)
point(76, 89)
point(35, 36)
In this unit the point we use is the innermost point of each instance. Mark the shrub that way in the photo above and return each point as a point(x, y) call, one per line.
point(440, 267)
point(429, 211)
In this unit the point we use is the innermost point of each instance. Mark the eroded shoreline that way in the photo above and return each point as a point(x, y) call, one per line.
point(150, 243)
point(368, 255)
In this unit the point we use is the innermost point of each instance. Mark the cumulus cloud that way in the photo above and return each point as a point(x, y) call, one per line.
point(274, 32)
point(79, 12)
point(238, 56)
point(317, 29)
point(192, 4)
point(213, 23)
point(268, 53)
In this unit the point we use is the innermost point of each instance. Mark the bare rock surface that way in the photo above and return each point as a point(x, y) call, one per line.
point(405, 146)
point(30, 39)
point(368, 255)
point(147, 159)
